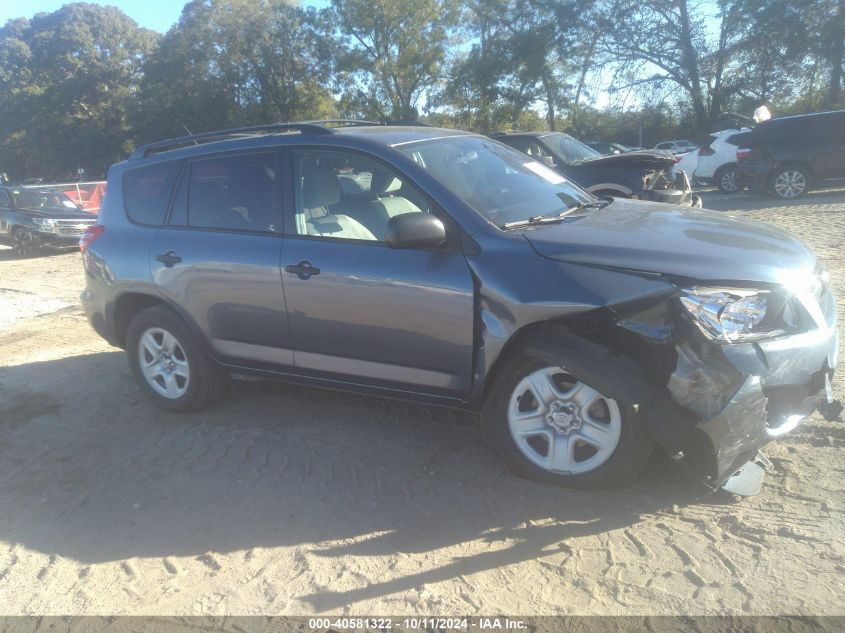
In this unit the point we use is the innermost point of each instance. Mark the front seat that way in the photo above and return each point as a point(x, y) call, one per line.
point(387, 205)
point(321, 190)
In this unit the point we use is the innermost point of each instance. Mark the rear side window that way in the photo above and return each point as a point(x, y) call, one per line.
point(780, 130)
point(235, 193)
point(146, 192)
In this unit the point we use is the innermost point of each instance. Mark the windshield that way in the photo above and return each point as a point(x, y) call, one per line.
point(501, 183)
point(29, 199)
point(569, 149)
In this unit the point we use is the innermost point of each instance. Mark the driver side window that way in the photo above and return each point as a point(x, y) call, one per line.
point(342, 195)
point(5, 203)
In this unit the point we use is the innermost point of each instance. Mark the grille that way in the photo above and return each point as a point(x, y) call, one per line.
point(72, 228)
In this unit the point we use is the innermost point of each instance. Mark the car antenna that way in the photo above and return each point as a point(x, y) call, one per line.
point(189, 133)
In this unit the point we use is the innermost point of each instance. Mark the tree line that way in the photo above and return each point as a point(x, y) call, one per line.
point(80, 86)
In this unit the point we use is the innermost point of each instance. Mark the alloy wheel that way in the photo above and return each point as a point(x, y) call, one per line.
point(562, 424)
point(727, 182)
point(163, 363)
point(790, 183)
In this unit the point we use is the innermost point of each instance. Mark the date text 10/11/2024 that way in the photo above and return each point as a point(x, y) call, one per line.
point(417, 623)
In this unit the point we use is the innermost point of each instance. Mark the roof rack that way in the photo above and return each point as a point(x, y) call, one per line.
point(311, 127)
point(342, 122)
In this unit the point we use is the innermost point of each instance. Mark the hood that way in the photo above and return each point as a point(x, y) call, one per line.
point(645, 159)
point(60, 213)
point(678, 241)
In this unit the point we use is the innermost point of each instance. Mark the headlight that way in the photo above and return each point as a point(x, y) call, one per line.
point(43, 224)
point(736, 315)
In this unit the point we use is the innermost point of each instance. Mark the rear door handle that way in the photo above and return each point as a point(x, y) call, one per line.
point(169, 259)
point(303, 269)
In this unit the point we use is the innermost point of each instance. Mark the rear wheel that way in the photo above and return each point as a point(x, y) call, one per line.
point(726, 179)
point(555, 427)
point(169, 363)
point(791, 182)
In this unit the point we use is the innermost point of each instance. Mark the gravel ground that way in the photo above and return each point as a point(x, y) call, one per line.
point(287, 500)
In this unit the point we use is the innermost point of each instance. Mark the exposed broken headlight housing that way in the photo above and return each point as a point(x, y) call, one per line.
point(737, 315)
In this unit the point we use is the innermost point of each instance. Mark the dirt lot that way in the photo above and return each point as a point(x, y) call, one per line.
point(285, 500)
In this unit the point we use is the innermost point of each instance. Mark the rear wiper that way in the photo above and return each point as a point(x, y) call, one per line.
point(535, 220)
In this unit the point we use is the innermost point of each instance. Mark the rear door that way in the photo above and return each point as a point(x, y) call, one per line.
point(217, 257)
point(824, 139)
point(359, 310)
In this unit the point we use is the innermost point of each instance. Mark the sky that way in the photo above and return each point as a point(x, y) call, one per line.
point(158, 15)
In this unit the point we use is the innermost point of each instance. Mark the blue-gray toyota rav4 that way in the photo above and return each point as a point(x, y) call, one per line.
point(443, 266)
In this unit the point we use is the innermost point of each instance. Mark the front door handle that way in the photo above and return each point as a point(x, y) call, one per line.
point(303, 269)
point(169, 259)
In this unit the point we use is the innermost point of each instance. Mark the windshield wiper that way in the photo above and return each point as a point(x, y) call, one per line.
point(553, 219)
point(535, 220)
point(595, 204)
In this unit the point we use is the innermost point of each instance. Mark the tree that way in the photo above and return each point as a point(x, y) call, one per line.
point(67, 80)
point(659, 42)
point(771, 51)
point(237, 62)
point(526, 54)
point(393, 51)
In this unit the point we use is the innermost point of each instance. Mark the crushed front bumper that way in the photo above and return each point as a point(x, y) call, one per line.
point(774, 385)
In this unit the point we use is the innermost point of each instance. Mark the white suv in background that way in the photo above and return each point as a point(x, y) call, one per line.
point(713, 163)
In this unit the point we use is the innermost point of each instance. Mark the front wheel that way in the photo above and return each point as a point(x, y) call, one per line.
point(25, 243)
point(552, 426)
point(168, 362)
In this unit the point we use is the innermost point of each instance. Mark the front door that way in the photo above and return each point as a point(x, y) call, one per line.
point(218, 256)
point(358, 309)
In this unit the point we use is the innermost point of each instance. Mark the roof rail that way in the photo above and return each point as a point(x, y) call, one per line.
point(149, 149)
point(343, 122)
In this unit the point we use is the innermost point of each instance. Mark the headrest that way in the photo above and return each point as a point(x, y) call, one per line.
point(320, 187)
point(384, 182)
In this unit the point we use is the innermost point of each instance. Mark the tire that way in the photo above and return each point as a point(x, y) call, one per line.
point(25, 243)
point(179, 376)
point(725, 179)
point(620, 460)
point(790, 182)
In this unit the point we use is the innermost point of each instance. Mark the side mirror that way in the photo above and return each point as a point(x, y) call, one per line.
point(415, 230)
point(549, 161)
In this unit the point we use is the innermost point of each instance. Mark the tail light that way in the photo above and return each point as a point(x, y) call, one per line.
point(742, 153)
point(706, 151)
point(92, 233)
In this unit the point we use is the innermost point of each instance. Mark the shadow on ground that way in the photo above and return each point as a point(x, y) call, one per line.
point(820, 199)
point(93, 473)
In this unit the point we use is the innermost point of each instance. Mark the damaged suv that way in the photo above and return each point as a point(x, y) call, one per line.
point(445, 267)
point(644, 174)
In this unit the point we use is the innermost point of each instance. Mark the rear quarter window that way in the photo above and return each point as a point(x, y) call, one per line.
point(146, 192)
point(742, 139)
